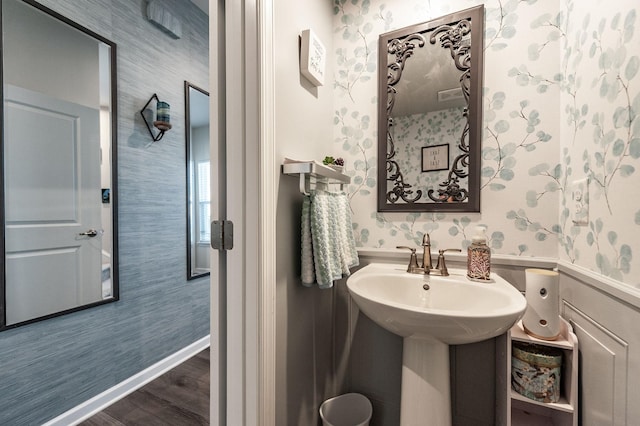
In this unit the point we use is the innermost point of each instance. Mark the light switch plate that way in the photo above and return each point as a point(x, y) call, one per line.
point(579, 203)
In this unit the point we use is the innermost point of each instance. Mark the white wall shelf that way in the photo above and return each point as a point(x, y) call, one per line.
point(517, 410)
point(311, 172)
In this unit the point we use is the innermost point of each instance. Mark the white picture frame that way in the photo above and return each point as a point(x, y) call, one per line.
point(313, 56)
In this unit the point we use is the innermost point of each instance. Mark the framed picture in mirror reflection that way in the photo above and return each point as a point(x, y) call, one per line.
point(435, 157)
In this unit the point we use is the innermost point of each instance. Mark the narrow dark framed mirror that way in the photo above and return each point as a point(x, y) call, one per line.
point(198, 178)
point(430, 115)
point(59, 192)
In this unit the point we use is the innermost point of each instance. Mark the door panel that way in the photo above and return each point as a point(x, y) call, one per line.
point(42, 288)
point(52, 196)
point(41, 196)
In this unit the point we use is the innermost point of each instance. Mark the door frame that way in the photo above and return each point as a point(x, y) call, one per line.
point(243, 299)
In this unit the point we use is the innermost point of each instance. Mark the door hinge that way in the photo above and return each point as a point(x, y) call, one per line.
point(222, 235)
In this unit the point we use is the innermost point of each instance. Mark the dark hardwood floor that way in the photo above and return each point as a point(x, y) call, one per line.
point(180, 397)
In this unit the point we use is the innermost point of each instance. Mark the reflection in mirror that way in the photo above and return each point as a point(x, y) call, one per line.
point(430, 115)
point(198, 188)
point(58, 137)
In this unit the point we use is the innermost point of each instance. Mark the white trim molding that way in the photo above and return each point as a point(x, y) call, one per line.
point(269, 175)
point(386, 255)
point(101, 401)
point(613, 288)
point(609, 286)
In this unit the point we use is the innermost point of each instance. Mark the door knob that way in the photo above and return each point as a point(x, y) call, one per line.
point(89, 233)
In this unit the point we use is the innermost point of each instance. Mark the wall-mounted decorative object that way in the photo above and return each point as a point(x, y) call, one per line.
point(312, 58)
point(435, 157)
point(59, 240)
point(162, 120)
point(431, 72)
point(163, 19)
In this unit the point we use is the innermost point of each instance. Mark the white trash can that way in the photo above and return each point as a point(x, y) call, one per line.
point(350, 409)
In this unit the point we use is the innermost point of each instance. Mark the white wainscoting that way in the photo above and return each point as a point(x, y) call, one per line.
point(606, 319)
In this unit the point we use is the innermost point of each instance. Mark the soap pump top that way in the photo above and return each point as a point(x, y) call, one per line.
point(480, 237)
point(479, 256)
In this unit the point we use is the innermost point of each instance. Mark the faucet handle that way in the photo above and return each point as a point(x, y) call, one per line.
point(405, 247)
point(442, 266)
point(413, 260)
point(449, 249)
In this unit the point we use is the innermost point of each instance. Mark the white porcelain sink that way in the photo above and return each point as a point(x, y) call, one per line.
point(453, 310)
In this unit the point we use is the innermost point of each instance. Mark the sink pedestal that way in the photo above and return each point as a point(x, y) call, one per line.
point(426, 388)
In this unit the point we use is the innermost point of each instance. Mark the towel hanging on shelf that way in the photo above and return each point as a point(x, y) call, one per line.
point(328, 245)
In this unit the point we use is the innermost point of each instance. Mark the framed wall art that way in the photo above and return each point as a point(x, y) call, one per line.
point(312, 58)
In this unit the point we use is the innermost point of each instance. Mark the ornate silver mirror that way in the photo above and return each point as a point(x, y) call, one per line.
point(430, 115)
point(59, 173)
point(198, 164)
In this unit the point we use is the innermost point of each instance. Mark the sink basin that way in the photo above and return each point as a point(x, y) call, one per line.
point(454, 310)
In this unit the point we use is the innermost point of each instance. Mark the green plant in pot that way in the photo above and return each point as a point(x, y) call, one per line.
point(335, 163)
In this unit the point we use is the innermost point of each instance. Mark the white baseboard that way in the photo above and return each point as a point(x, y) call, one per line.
point(124, 388)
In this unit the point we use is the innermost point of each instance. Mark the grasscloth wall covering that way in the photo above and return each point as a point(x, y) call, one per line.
point(51, 366)
point(561, 102)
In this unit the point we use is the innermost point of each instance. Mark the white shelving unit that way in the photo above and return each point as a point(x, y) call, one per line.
point(311, 172)
point(518, 410)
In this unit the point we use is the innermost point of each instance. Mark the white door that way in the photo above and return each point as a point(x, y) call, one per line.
point(52, 201)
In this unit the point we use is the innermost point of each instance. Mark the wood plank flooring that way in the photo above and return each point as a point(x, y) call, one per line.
point(179, 397)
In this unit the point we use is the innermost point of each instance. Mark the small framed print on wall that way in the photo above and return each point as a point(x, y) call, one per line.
point(435, 158)
point(312, 58)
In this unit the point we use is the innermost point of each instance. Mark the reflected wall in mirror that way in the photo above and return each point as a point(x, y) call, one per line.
point(430, 115)
point(59, 172)
point(198, 188)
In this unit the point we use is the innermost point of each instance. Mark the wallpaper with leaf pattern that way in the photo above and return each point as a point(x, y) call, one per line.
point(561, 129)
point(411, 133)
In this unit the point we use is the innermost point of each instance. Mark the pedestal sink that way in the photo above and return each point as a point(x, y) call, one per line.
point(432, 312)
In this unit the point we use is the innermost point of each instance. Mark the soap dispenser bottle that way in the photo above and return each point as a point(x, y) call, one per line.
point(479, 257)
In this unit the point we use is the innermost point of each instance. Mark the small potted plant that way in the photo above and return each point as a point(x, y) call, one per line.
point(335, 163)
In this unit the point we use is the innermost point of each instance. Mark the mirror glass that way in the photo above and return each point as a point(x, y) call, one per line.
point(430, 115)
point(58, 141)
point(198, 188)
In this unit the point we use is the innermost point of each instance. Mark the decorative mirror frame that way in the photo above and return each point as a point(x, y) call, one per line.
point(113, 190)
point(447, 31)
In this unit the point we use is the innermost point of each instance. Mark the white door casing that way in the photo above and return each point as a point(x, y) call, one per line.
point(243, 365)
point(217, 412)
point(52, 196)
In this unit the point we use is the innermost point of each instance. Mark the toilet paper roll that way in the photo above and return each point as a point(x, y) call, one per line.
point(542, 317)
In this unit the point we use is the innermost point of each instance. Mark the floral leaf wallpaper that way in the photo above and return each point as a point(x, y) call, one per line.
point(601, 95)
point(434, 128)
point(561, 95)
